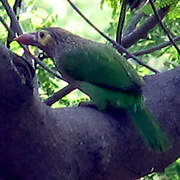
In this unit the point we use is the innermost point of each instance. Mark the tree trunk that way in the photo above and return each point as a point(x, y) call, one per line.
point(79, 143)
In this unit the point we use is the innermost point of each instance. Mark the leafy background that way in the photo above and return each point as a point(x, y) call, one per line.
point(35, 14)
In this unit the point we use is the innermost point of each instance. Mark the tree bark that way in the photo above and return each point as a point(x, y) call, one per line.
point(78, 143)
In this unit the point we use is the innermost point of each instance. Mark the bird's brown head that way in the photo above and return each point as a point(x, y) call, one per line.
point(44, 39)
point(52, 40)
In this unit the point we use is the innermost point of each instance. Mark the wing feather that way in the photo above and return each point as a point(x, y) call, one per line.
point(101, 65)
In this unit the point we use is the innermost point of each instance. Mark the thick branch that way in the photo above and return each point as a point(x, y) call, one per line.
point(38, 142)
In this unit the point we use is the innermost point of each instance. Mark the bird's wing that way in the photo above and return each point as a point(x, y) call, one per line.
point(101, 65)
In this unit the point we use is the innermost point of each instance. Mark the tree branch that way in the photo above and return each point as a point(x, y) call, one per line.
point(121, 21)
point(58, 95)
point(15, 26)
point(10, 38)
point(5, 25)
point(143, 30)
point(17, 4)
point(131, 26)
point(160, 46)
point(26, 50)
point(119, 47)
point(38, 142)
point(11, 34)
point(163, 27)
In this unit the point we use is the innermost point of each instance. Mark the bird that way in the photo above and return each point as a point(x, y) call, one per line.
point(103, 74)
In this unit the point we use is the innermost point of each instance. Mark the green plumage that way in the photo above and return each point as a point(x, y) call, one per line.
point(100, 65)
point(111, 82)
point(152, 135)
point(106, 76)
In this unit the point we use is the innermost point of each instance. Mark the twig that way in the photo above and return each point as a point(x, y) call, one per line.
point(10, 38)
point(17, 4)
point(58, 95)
point(163, 27)
point(16, 27)
point(42, 64)
point(11, 14)
point(147, 51)
point(120, 26)
point(7, 27)
point(119, 47)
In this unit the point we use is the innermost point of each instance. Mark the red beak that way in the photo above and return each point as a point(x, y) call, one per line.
point(27, 39)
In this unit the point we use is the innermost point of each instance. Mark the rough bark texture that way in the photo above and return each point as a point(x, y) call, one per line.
point(37, 142)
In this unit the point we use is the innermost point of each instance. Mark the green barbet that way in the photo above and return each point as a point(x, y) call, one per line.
point(103, 74)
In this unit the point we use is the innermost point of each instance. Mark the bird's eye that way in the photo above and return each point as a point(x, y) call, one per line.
point(41, 35)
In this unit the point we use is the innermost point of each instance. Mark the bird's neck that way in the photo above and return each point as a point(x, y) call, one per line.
point(50, 51)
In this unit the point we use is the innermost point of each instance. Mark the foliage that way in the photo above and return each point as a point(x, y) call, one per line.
point(115, 4)
point(167, 56)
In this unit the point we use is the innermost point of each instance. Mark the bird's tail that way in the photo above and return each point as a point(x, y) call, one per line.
point(153, 136)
